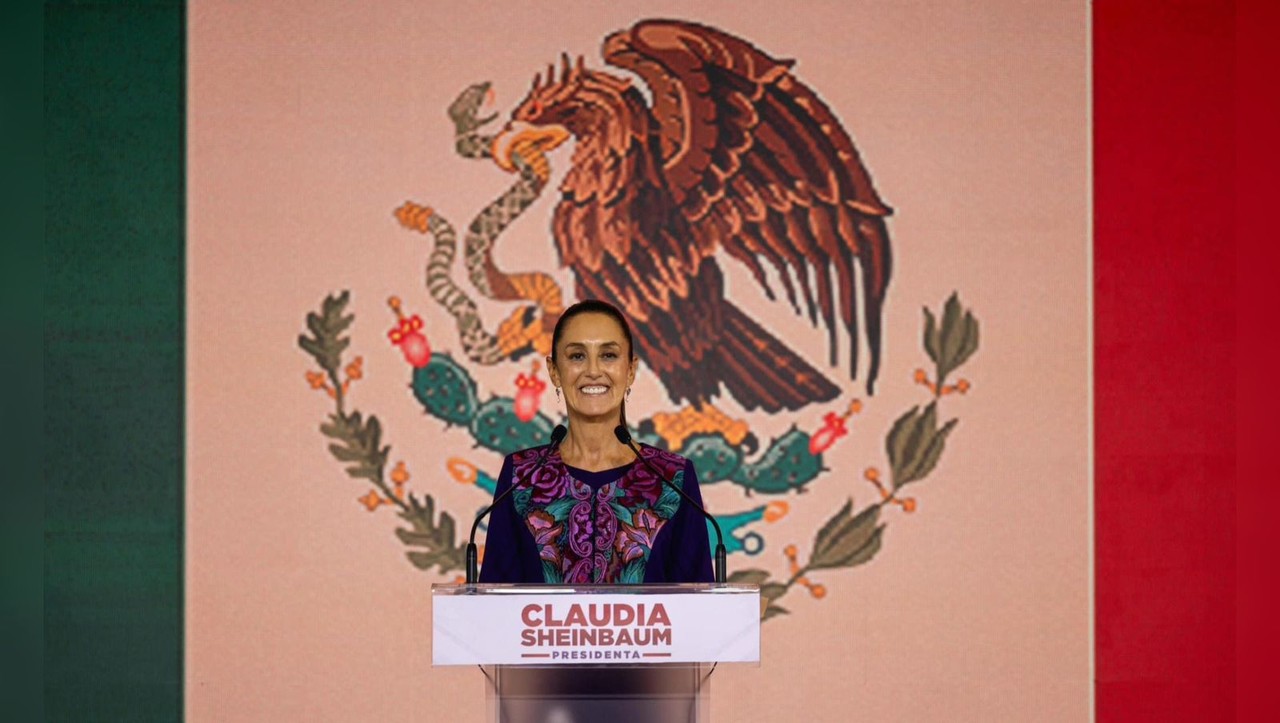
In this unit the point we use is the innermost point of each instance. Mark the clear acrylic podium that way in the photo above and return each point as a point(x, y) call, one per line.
point(579, 653)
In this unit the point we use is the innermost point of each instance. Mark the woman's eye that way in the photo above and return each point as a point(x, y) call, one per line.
point(609, 355)
point(576, 356)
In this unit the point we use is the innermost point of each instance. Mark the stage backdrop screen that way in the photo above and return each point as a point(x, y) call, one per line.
point(854, 241)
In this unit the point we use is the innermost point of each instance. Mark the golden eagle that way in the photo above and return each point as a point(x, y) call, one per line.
point(734, 154)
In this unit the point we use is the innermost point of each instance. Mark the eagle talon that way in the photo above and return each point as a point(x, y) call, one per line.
point(704, 419)
point(522, 333)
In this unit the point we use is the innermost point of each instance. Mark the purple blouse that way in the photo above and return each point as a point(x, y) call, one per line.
point(621, 525)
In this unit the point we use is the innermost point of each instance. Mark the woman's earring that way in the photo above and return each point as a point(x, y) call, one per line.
point(557, 394)
point(628, 392)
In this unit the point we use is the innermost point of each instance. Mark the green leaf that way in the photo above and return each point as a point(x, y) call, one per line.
point(669, 500)
point(446, 529)
point(848, 540)
point(869, 550)
point(326, 342)
point(750, 576)
point(551, 574)
point(772, 591)
point(315, 324)
point(433, 541)
point(337, 427)
point(911, 442)
point(774, 611)
point(359, 440)
point(950, 337)
point(309, 345)
point(633, 573)
point(930, 335)
point(829, 527)
point(956, 340)
point(424, 560)
point(928, 457)
point(380, 458)
point(520, 498)
point(345, 454)
point(895, 443)
point(410, 537)
point(623, 514)
point(969, 343)
point(364, 472)
point(915, 444)
point(560, 508)
point(927, 426)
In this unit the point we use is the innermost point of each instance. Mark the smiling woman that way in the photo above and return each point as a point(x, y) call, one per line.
point(586, 510)
point(592, 364)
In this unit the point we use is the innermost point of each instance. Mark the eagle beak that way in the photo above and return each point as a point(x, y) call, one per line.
point(527, 140)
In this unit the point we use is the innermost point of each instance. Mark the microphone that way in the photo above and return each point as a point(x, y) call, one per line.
point(624, 436)
point(472, 563)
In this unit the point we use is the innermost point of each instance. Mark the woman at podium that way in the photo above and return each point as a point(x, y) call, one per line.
point(585, 508)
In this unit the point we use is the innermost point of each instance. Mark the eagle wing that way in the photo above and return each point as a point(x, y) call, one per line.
point(759, 165)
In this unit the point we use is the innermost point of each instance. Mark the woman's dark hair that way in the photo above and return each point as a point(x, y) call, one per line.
point(591, 306)
point(595, 306)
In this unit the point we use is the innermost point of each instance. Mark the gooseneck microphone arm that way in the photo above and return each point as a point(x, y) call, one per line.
point(473, 563)
point(624, 436)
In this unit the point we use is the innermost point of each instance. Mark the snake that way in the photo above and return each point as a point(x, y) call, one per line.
point(527, 330)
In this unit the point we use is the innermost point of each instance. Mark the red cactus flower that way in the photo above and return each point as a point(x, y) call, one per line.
point(529, 389)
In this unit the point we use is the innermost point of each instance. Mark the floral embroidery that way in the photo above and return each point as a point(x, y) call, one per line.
point(545, 533)
point(637, 539)
point(545, 483)
point(580, 529)
point(604, 535)
point(605, 523)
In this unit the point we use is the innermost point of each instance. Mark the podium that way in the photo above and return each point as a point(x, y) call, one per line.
point(579, 653)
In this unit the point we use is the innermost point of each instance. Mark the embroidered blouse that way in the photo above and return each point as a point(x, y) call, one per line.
point(622, 525)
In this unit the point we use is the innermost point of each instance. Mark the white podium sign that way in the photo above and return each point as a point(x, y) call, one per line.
point(555, 625)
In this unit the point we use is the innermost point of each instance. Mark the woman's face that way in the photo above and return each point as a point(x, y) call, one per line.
point(593, 366)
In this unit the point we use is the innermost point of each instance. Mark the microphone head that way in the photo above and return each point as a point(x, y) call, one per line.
point(622, 434)
point(557, 435)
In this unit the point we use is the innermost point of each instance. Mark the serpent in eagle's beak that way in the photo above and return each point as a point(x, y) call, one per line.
point(531, 142)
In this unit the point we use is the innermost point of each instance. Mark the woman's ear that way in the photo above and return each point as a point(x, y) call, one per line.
point(552, 372)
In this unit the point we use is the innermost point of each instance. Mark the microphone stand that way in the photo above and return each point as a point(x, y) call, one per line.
point(721, 554)
point(472, 556)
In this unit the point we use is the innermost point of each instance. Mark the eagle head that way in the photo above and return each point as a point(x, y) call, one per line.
point(553, 101)
point(578, 103)
point(545, 118)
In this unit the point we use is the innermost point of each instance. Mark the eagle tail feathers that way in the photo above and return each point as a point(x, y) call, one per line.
point(761, 371)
